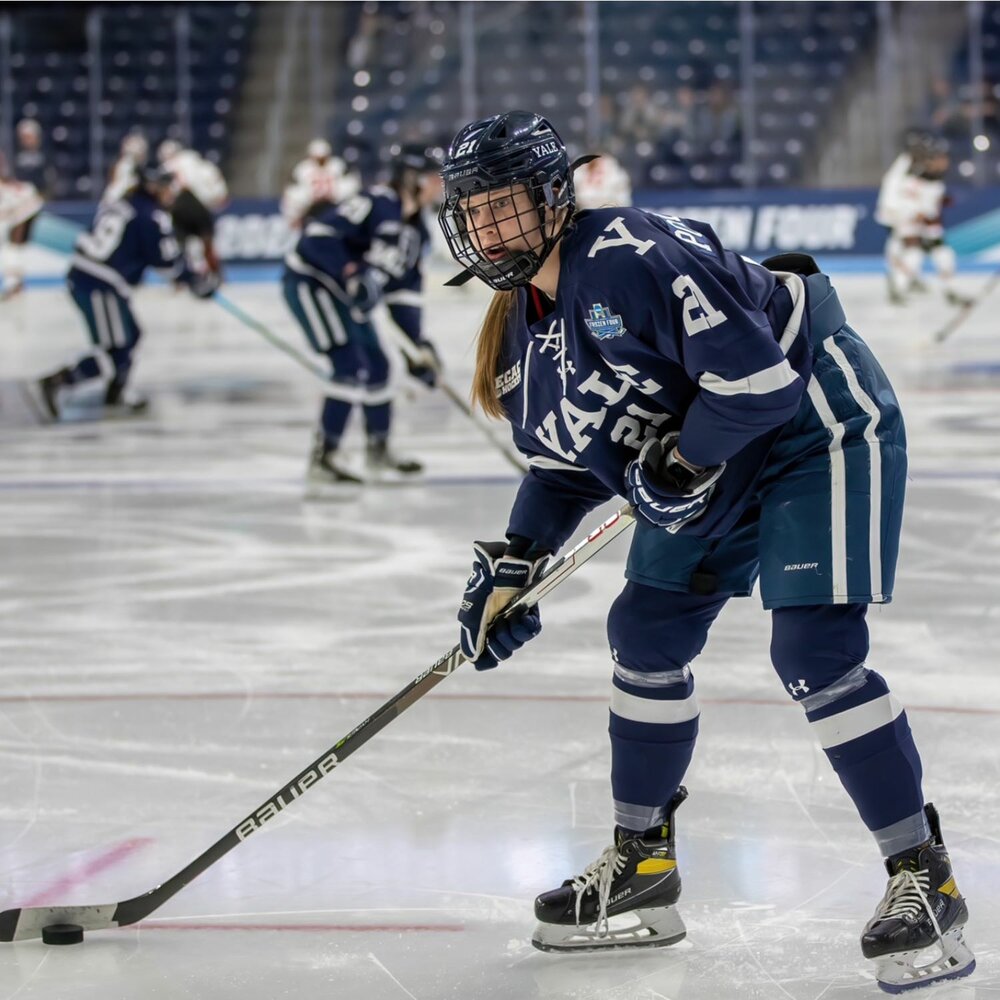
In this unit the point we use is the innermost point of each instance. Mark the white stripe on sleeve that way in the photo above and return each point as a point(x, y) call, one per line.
point(758, 384)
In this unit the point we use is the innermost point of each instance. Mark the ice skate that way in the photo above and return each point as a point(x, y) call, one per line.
point(958, 300)
point(49, 387)
point(122, 402)
point(382, 465)
point(915, 936)
point(625, 899)
point(327, 468)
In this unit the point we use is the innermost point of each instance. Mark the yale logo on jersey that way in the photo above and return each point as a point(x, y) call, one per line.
point(603, 323)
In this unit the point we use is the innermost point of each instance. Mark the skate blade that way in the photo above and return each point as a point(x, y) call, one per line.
point(393, 478)
point(654, 928)
point(951, 959)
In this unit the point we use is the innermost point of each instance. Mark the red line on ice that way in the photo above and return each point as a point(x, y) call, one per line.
point(11, 699)
point(108, 859)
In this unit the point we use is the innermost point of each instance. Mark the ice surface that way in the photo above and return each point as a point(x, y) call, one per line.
point(180, 633)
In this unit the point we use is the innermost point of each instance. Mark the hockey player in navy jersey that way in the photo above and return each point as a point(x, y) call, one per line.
point(757, 438)
point(128, 236)
point(350, 257)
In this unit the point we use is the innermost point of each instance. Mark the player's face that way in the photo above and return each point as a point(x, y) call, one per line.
point(502, 222)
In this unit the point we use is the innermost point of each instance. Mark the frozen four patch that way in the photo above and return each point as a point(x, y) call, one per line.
point(603, 323)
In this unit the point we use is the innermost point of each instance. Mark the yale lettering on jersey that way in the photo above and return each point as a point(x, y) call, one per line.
point(623, 239)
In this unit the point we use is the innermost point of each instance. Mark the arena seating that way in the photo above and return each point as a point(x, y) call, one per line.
point(409, 85)
point(50, 68)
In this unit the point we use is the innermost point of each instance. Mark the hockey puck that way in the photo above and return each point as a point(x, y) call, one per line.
point(62, 934)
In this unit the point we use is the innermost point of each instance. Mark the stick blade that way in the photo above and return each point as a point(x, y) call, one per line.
point(27, 923)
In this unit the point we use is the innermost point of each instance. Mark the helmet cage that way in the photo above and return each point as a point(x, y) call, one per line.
point(530, 165)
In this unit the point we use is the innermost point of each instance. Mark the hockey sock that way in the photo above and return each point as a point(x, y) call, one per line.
point(334, 417)
point(378, 417)
point(819, 652)
point(654, 635)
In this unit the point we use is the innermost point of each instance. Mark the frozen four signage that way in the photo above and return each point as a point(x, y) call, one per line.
point(763, 222)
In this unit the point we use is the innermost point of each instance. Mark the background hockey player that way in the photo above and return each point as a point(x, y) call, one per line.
point(366, 249)
point(128, 236)
point(755, 435)
point(199, 194)
point(132, 157)
point(602, 183)
point(911, 201)
point(318, 182)
point(20, 203)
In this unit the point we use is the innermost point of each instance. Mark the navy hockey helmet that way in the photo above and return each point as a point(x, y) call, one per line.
point(505, 158)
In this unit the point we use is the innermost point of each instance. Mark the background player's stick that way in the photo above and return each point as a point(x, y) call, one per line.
point(413, 352)
point(272, 338)
point(962, 314)
point(21, 924)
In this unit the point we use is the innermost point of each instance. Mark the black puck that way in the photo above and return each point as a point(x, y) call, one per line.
point(62, 934)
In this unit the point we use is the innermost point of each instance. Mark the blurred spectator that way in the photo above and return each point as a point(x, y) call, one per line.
point(641, 120)
point(719, 120)
point(30, 162)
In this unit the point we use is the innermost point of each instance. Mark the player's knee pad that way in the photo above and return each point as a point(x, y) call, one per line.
point(654, 630)
point(943, 258)
point(814, 647)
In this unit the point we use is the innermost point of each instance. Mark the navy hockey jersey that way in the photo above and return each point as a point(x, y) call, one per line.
point(655, 327)
point(128, 236)
point(366, 229)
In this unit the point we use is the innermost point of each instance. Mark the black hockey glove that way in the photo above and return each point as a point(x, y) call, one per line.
point(496, 579)
point(423, 363)
point(665, 490)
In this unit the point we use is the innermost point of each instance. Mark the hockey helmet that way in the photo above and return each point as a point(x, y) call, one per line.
point(319, 149)
point(507, 154)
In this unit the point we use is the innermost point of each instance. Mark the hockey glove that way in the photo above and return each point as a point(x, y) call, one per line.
point(424, 363)
point(364, 290)
point(204, 286)
point(495, 581)
point(666, 491)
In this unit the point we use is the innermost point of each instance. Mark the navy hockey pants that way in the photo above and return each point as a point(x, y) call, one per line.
point(359, 368)
point(112, 328)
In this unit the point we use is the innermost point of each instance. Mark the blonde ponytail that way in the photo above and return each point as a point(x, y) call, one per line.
point(489, 346)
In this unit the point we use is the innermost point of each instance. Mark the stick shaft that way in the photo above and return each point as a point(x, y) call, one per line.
point(21, 924)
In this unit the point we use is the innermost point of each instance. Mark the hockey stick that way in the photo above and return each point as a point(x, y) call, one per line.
point(272, 338)
point(962, 313)
point(26, 923)
point(412, 351)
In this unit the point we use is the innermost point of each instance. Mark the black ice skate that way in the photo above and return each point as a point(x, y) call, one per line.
point(327, 467)
point(915, 937)
point(49, 387)
point(625, 899)
point(383, 465)
point(954, 298)
point(122, 402)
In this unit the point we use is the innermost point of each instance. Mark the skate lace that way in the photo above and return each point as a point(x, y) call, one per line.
point(600, 875)
point(906, 895)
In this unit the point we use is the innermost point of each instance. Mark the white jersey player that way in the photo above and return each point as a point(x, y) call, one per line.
point(318, 181)
point(20, 202)
point(133, 154)
point(602, 183)
point(199, 193)
point(910, 203)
